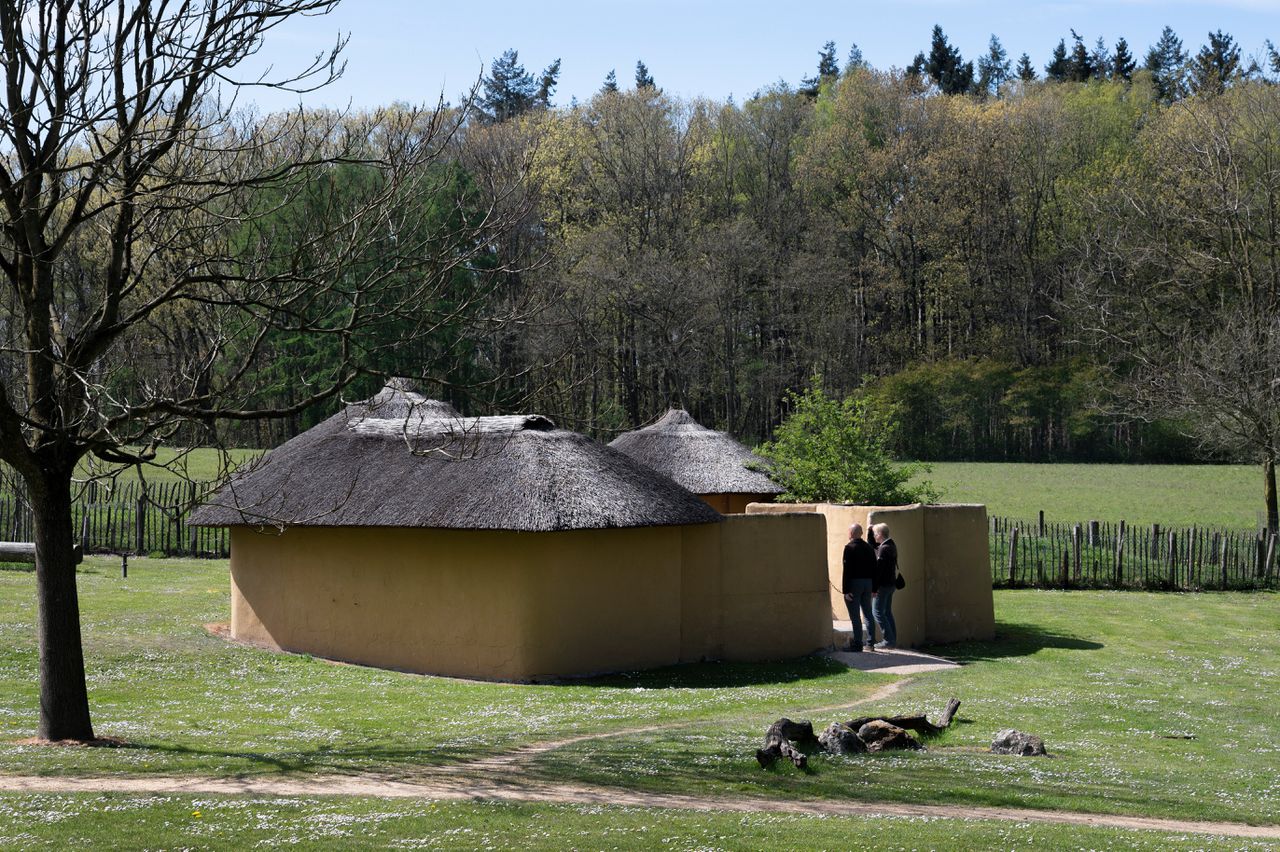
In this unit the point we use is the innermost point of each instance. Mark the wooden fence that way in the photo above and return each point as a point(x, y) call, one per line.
point(1095, 554)
point(126, 518)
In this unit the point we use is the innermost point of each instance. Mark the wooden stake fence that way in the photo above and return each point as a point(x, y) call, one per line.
point(127, 519)
point(1099, 554)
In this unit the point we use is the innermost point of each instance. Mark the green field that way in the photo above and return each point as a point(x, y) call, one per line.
point(201, 464)
point(1222, 496)
point(1152, 704)
point(1218, 496)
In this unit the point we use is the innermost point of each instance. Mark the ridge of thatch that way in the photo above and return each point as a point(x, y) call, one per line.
point(398, 399)
point(420, 469)
point(702, 460)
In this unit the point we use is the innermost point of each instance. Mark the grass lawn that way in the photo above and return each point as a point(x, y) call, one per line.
point(1221, 496)
point(111, 821)
point(193, 703)
point(1114, 683)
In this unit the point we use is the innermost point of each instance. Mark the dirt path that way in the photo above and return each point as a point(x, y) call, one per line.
point(502, 778)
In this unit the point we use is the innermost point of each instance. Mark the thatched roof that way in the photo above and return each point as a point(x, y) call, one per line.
point(420, 467)
point(702, 460)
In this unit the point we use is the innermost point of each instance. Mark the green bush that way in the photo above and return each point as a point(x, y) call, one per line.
point(832, 451)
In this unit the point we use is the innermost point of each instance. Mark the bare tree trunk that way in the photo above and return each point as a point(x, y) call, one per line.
point(64, 699)
point(1269, 488)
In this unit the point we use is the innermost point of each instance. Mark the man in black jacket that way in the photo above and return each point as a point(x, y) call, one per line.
point(857, 585)
point(886, 576)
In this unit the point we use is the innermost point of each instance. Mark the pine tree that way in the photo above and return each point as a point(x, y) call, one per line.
point(916, 68)
point(547, 85)
point(1217, 65)
point(827, 70)
point(1167, 62)
point(855, 59)
point(1026, 71)
point(827, 66)
point(1273, 57)
point(1080, 66)
point(946, 67)
point(508, 90)
point(994, 68)
point(1059, 66)
point(1102, 62)
point(610, 82)
point(644, 80)
point(1122, 62)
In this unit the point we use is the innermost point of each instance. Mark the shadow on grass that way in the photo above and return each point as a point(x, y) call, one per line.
point(337, 760)
point(717, 675)
point(1013, 640)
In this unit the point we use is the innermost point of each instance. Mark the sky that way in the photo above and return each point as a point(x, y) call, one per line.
point(415, 50)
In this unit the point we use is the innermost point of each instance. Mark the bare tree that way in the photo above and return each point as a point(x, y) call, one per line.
point(1183, 275)
point(160, 245)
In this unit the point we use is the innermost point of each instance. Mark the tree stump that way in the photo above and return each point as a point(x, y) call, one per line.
point(879, 735)
point(839, 739)
point(917, 722)
point(779, 742)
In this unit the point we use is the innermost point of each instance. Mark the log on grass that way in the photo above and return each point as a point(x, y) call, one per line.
point(779, 742)
point(917, 722)
point(25, 551)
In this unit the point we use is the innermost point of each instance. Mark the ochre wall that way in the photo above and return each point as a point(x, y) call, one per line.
point(734, 504)
point(521, 606)
point(500, 605)
point(958, 573)
point(773, 587)
point(942, 554)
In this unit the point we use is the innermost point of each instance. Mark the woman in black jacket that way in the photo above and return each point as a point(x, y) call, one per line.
point(885, 579)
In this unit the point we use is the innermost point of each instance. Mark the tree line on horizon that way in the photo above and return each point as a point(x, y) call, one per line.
point(1174, 70)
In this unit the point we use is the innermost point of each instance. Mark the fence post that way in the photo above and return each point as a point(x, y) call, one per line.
point(1042, 523)
point(1266, 563)
point(1075, 548)
point(140, 523)
point(1222, 557)
point(1192, 574)
point(1173, 559)
point(192, 532)
point(1093, 533)
point(1155, 541)
point(1013, 556)
point(84, 531)
point(1119, 554)
point(1066, 568)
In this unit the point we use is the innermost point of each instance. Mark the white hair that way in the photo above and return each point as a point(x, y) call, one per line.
point(881, 531)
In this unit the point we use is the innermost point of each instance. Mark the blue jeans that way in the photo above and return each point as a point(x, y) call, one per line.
point(859, 598)
point(882, 608)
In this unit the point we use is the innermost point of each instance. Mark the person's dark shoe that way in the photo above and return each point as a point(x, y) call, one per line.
point(852, 649)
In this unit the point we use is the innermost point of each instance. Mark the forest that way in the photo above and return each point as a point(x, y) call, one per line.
point(1027, 267)
point(1078, 262)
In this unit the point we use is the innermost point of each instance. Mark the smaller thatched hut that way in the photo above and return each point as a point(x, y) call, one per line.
point(711, 464)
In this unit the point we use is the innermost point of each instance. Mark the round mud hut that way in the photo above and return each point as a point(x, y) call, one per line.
point(711, 464)
point(402, 535)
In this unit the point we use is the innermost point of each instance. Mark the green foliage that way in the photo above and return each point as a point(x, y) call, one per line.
point(832, 451)
point(991, 409)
